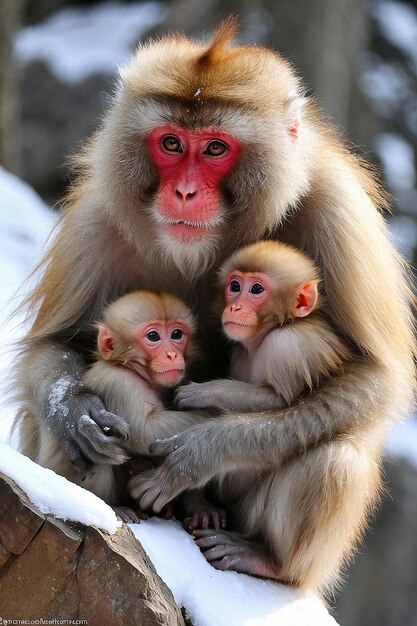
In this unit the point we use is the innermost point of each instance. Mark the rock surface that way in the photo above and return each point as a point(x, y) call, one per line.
point(55, 570)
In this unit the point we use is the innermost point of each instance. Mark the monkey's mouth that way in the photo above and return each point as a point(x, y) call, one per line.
point(169, 378)
point(238, 331)
point(233, 324)
point(170, 371)
point(186, 231)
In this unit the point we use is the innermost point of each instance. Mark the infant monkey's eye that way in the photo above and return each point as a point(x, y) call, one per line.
point(153, 336)
point(257, 288)
point(177, 334)
point(234, 286)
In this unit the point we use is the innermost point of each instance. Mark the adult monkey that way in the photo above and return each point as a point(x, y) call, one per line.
point(208, 148)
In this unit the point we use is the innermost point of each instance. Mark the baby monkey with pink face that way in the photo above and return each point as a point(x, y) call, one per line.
point(145, 342)
point(285, 345)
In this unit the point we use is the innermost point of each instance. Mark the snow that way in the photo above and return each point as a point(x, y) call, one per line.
point(398, 23)
point(77, 42)
point(404, 234)
point(55, 495)
point(386, 84)
point(222, 598)
point(397, 156)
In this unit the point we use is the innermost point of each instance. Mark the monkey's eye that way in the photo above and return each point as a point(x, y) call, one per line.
point(170, 143)
point(177, 334)
point(215, 148)
point(234, 286)
point(153, 336)
point(257, 288)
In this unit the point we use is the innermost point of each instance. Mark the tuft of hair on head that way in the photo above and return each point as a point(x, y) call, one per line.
point(221, 42)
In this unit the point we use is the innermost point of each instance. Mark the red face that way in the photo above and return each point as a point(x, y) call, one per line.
point(163, 344)
point(245, 294)
point(191, 166)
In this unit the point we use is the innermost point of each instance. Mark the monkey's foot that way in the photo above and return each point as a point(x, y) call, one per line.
point(204, 519)
point(227, 550)
point(126, 514)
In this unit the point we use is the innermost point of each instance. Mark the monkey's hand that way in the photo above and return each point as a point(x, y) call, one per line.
point(90, 434)
point(228, 395)
point(184, 468)
point(202, 395)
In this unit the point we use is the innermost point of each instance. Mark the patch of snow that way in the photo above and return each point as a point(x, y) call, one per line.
point(402, 442)
point(397, 156)
point(385, 84)
point(77, 42)
point(404, 234)
point(55, 495)
point(398, 23)
point(222, 598)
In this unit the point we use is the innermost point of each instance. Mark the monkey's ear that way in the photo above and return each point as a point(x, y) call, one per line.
point(105, 342)
point(294, 114)
point(306, 299)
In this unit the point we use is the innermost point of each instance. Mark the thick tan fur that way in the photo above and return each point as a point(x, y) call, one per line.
point(307, 190)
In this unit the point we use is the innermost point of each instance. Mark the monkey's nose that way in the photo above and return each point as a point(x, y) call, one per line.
point(236, 306)
point(171, 356)
point(186, 191)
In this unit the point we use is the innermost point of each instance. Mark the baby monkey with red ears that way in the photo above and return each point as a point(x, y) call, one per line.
point(145, 343)
point(284, 345)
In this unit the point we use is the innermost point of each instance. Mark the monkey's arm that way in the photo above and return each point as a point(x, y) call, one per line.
point(54, 392)
point(232, 395)
point(265, 441)
point(160, 424)
point(67, 299)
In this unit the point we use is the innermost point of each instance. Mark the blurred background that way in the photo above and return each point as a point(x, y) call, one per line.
point(359, 57)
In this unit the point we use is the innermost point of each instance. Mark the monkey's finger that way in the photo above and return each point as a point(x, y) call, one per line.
point(111, 424)
point(163, 447)
point(147, 499)
point(209, 538)
point(130, 515)
point(77, 458)
point(161, 500)
point(223, 519)
point(97, 446)
point(205, 520)
point(215, 518)
point(216, 553)
point(185, 401)
point(168, 512)
point(228, 562)
point(195, 521)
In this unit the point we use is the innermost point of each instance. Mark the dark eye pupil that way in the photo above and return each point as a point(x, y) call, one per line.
point(153, 336)
point(234, 286)
point(177, 334)
point(257, 288)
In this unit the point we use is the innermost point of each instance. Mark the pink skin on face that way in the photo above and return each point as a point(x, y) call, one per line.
point(245, 294)
point(164, 343)
point(191, 166)
point(160, 344)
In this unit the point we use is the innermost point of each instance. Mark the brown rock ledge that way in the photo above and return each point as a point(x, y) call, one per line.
point(52, 569)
